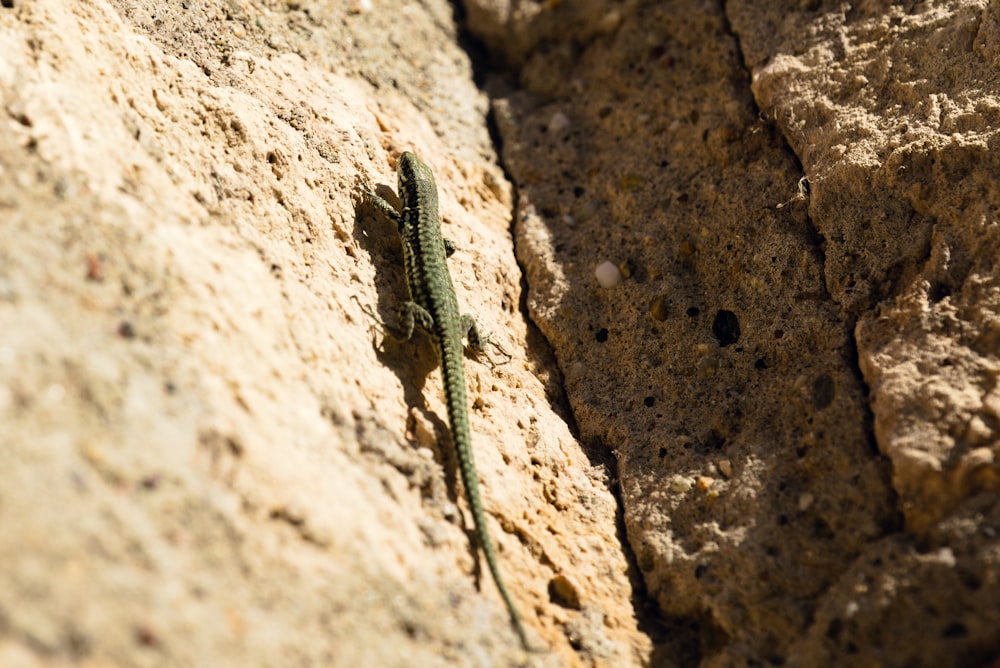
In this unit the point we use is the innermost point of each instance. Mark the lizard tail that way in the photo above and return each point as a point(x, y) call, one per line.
point(453, 370)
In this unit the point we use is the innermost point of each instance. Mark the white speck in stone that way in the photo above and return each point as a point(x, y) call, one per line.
point(608, 274)
point(558, 122)
point(945, 557)
point(851, 609)
point(806, 500)
point(680, 484)
point(576, 370)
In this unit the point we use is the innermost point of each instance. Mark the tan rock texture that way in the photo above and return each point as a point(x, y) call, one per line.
point(894, 113)
point(798, 372)
point(772, 441)
point(210, 456)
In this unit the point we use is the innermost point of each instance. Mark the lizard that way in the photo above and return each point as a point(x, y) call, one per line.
point(433, 307)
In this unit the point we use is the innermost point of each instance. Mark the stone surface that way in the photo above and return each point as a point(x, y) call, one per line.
point(206, 459)
point(721, 350)
point(771, 438)
point(894, 112)
point(830, 346)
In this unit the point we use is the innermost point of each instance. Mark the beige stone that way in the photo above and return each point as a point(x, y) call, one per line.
point(206, 460)
point(774, 441)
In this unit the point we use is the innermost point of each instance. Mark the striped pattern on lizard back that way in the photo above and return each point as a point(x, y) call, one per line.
point(434, 308)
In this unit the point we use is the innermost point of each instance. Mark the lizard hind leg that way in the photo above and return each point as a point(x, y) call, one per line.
point(469, 329)
point(479, 340)
point(412, 315)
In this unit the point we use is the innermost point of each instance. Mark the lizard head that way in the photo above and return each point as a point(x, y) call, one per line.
point(411, 170)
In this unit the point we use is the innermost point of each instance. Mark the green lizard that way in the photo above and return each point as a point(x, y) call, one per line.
point(434, 308)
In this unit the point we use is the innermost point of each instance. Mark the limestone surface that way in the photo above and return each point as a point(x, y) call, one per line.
point(211, 456)
point(743, 259)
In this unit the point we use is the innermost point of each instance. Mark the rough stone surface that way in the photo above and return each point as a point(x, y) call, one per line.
point(894, 112)
point(719, 372)
point(798, 382)
point(206, 460)
point(211, 457)
point(917, 257)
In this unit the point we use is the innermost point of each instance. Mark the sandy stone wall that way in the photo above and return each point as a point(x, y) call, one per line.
point(765, 432)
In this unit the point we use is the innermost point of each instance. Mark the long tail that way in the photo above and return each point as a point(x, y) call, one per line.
point(453, 372)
